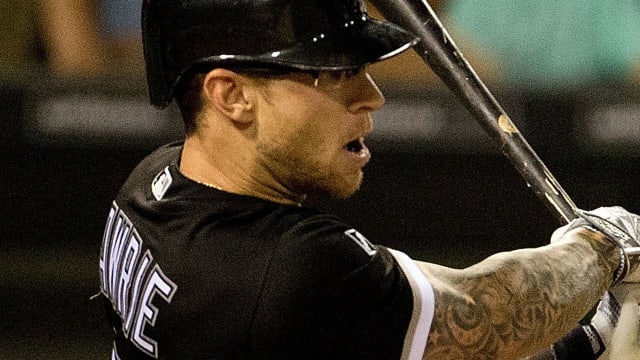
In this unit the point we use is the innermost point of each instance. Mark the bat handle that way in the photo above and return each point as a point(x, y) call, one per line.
point(534, 171)
point(438, 50)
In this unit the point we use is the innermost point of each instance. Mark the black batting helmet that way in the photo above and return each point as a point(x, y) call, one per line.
point(298, 34)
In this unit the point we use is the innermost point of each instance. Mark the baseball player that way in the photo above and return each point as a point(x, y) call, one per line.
point(209, 251)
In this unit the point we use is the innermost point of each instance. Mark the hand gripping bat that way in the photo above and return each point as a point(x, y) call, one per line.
point(438, 50)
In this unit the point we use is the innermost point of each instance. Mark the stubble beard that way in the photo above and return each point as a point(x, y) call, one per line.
point(305, 178)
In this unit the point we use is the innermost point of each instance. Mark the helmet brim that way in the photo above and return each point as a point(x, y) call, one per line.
point(351, 47)
point(355, 45)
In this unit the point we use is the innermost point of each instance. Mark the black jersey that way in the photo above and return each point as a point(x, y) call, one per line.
point(192, 272)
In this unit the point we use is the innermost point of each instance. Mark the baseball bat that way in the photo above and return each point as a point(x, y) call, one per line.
point(439, 51)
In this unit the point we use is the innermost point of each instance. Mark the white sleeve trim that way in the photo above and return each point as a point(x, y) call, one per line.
point(415, 340)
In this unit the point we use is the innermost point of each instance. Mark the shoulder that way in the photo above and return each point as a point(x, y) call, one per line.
point(325, 240)
point(168, 154)
point(320, 253)
point(359, 288)
point(153, 165)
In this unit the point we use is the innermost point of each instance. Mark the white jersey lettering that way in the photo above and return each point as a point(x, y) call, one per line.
point(137, 286)
point(121, 233)
point(106, 245)
point(131, 280)
point(161, 285)
point(130, 259)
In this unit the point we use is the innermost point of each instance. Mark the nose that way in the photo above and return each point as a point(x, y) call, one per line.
point(367, 97)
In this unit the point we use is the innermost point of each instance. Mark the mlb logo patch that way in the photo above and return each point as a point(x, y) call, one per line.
point(161, 184)
point(362, 241)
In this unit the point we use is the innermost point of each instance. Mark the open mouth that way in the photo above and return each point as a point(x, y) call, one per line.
point(354, 146)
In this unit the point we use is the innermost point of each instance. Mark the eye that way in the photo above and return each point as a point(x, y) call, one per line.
point(349, 73)
point(336, 77)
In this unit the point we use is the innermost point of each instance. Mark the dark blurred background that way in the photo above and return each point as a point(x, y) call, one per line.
point(436, 187)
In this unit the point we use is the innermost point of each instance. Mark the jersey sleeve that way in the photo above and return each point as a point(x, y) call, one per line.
point(423, 307)
point(343, 297)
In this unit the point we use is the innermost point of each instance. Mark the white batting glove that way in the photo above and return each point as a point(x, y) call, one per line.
point(604, 322)
point(625, 341)
point(621, 227)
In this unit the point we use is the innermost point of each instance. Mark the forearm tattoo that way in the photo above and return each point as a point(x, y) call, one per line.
point(513, 304)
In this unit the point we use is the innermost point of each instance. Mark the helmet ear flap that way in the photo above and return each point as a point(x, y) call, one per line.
point(152, 41)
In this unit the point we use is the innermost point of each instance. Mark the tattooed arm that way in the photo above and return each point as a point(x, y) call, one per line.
point(515, 303)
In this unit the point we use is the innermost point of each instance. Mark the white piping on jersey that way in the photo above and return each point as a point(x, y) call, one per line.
point(415, 340)
point(114, 353)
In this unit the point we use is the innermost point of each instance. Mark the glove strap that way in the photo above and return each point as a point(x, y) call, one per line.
point(623, 268)
point(616, 235)
point(597, 344)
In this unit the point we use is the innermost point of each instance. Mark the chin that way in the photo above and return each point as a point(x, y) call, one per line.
point(338, 187)
point(318, 196)
point(344, 189)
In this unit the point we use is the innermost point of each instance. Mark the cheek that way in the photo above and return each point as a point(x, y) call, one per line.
point(284, 131)
point(300, 146)
point(284, 138)
point(304, 128)
point(300, 143)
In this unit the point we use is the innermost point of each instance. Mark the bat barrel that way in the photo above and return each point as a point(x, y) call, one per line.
point(438, 50)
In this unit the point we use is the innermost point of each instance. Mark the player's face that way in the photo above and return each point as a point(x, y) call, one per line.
point(311, 130)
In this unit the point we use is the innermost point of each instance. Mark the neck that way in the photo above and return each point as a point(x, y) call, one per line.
point(223, 169)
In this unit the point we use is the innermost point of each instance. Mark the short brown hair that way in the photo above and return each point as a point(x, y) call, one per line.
point(189, 97)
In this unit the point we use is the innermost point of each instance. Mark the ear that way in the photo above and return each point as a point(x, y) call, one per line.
point(224, 91)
